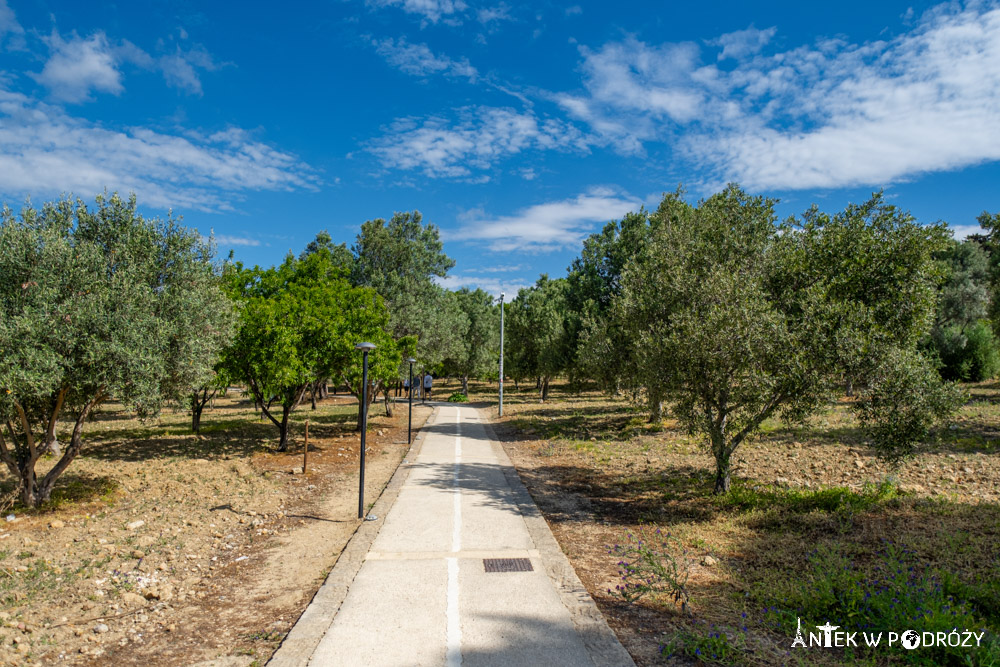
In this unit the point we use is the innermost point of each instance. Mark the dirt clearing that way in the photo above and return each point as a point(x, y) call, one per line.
point(600, 473)
point(166, 548)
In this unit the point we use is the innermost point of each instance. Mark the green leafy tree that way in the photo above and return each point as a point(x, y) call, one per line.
point(961, 338)
point(990, 242)
point(713, 331)
point(904, 400)
point(878, 272)
point(295, 326)
point(601, 348)
point(539, 340)
point(401, 259)
point(735, 319)
point(96, 304)
point(481, 340)
point(339, 254)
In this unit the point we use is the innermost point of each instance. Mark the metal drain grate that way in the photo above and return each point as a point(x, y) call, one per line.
point(507, 565)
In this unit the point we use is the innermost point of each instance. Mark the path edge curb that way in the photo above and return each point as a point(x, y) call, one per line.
point(598, 638)
point(301, 641)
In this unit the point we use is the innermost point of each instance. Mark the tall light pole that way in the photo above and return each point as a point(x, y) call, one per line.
point(501, 355)
point(365, 349)
point(409, 425)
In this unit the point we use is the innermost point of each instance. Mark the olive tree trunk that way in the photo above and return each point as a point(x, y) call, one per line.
point(26, 452)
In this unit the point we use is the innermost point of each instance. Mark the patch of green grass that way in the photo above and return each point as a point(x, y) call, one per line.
point(25, 585)
point(891, 593)
point(710, 645)
point(266, 636)
point(743, 496)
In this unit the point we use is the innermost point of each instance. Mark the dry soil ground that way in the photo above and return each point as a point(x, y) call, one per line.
point(166, 548)
point(598, 472)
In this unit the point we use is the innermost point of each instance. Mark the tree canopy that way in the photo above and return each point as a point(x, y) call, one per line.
point(97, 303)
point(733, 318)
point(400, 259)
point(480, 342)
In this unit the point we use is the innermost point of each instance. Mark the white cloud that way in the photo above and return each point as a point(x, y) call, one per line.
point(488, 15)
point(492, 285)
point(450, 12)
point(11, 31)
point(832, 114)
point(480, 137)
point(232, 241)
point(79, 66)
point(431, 10)
point(841, 115)
point(550, 226)
point(633, 76)
point(180, 69)
point(44, 152)
point(961, 232)
point(419, 60)
point(742, 43)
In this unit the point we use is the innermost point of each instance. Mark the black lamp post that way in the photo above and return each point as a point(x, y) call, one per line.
point(365, 349)
point(409, 425)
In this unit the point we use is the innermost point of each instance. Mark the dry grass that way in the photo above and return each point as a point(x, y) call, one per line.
point(228, 540)
point(599, 471)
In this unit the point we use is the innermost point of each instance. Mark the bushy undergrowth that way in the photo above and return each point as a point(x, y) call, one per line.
point(458, 397)
point(894, 594)
point(648, 565)
point(746, 497)
point(710, 644)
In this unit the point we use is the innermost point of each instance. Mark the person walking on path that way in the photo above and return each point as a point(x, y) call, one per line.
point(428, 381)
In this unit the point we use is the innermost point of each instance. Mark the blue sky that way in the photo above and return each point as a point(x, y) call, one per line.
point(517, 129)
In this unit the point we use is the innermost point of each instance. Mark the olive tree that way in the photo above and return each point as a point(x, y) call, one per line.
point(713, 331)
point(537, 326)
point(96, 304)
point(401, 259)
point(734, 319)
point(480, 347)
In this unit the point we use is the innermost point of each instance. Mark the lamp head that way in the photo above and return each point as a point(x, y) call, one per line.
point(411, 360)
point(365, 346)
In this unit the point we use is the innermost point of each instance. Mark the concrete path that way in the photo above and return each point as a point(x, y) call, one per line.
point(421, 595)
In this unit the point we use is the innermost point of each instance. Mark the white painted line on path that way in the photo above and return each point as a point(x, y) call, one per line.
point(454, 654)
point(456, 531)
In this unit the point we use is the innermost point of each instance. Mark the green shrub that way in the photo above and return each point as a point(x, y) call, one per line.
point(833, 499)
point(647, 566)
point(971, 354)
point(710, 645)
point(894, 594)
point(458, 397)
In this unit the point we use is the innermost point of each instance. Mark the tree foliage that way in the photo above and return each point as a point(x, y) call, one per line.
point(716, 327)
point(600, 348)
point(400, 259)
point(97, 303)
point(734, 319)
point(961, 338)
point(538, 322)
point(480, 342)
point(295, 327)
